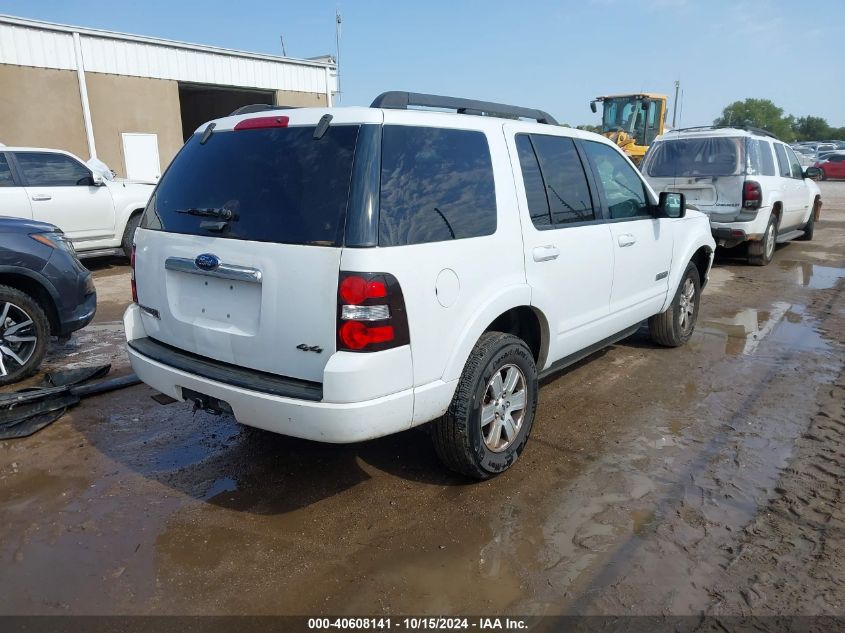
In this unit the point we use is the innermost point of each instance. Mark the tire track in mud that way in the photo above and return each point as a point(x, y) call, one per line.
point(607, 589)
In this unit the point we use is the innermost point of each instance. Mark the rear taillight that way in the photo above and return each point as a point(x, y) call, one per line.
point(132, 277)
point(752, 195)
point(370, 313)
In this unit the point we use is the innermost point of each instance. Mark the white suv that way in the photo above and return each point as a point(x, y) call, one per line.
point(750, 184)
point(343, 274)
point(98, 214)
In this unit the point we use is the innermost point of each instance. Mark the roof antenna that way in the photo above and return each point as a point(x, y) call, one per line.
point(284, 52)
point(337, 28)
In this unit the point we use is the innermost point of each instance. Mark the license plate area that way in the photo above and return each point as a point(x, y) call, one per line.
point(217, 304)
point(203, 402)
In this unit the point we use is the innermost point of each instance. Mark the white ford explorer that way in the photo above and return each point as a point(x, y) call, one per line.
point(98, 214)
point(343, 274)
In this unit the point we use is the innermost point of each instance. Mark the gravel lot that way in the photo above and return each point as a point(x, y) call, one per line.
point(707, 479)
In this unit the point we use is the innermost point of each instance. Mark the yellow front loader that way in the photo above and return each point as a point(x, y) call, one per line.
point(632, 121)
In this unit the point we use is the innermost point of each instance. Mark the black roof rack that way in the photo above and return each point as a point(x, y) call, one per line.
point(401, 101)
point(746, 128)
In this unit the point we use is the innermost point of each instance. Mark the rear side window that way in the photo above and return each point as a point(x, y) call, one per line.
point(43, 169)
point(690, 157)
point(783, 162)
point(280, 184)
point(760, 161)
point(557, 192)
point(5, 173)
point(436, 185)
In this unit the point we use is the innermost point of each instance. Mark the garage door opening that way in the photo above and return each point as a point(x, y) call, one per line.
point(199, 103)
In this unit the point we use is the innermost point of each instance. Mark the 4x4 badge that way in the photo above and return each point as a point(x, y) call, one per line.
point(310, 348)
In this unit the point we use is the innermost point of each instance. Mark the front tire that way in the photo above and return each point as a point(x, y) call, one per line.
point(674, 326)
point(488, 423)
point(24, 335)
point(761, 252)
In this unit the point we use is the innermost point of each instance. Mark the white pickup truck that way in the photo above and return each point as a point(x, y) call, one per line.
point(97, 213)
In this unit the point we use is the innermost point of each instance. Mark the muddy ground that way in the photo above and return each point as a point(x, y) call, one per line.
point(707, 479)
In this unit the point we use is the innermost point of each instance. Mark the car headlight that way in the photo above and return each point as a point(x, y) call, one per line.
point(55, 240)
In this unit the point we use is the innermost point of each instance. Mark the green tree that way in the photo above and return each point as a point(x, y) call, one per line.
point(760, 113)
point(811, 128)
point(589, 128)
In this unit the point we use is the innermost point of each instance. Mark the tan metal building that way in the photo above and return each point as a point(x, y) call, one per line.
point(132, 101)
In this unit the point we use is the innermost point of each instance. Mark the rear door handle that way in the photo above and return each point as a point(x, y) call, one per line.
point(38, 197)
point(626, 239)
point(546, 253)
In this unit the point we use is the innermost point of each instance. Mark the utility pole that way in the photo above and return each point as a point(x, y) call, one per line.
point(675, 109)
point(337, 25)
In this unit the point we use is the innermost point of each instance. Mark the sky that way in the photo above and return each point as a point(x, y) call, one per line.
point(556, 56)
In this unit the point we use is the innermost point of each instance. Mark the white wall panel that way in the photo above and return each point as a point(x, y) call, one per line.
point(51, 46)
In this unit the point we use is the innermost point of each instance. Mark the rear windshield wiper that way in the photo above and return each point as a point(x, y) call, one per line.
point(222, 214)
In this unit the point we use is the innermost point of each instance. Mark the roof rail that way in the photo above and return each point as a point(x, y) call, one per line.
point(401, 101)
point(746, 128)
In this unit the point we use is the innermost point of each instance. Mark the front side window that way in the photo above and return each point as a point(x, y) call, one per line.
point(624, 191)
point(44, 169)
point(565, 197)
point(436, 185)
point(794, 163)
point(5, 173)
point(784, 169)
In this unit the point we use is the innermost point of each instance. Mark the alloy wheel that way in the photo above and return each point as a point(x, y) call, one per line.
point(503, 408)
point(687, 305)
point(18, 338)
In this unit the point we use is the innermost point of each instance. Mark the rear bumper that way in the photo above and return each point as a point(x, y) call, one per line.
point(319, 421)
point(323, 421)
point(732, 233)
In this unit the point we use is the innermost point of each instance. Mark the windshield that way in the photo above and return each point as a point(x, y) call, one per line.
point(265, 185)
point(625, 113)
point(691, 157)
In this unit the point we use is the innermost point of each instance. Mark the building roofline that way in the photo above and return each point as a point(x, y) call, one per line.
point(157, 41)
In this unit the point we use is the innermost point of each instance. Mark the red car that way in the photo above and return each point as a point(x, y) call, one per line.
point(833, 166)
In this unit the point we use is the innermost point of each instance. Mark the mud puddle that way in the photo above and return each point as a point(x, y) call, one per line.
point(810, 275)
point(783, 324)
point(660, 516)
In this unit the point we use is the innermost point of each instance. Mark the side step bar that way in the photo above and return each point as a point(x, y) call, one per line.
point(786, 237)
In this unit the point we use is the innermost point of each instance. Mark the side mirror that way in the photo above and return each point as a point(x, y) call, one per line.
point(97, 179)
point(593, 106)
point(672, 205)
point(813, 172)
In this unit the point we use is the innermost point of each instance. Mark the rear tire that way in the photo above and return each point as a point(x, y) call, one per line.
point(761, 252)
point(488, 423)
point(674, 326)
point(24, 335)
point(129, 234)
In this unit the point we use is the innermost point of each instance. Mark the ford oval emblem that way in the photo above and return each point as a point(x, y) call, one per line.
point(207, 261)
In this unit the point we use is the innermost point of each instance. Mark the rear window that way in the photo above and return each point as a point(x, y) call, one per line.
point(436, 185)
point(281, 184)
point(691, 157)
